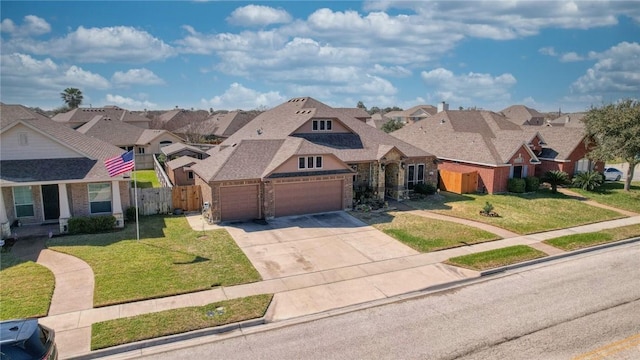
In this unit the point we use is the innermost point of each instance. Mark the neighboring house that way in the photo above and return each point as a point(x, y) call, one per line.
point(177, 118)
point(377, 120)
point(306, 157)
point(358, 113)
point(217, 127)
point(79, 116)
point(179, 170)
point(522, 115)
point(572, 120)
point(564, 149)
point(128, 137)
point(51, 173)
point(413, 114)
point(474, 142)
point(177, 150)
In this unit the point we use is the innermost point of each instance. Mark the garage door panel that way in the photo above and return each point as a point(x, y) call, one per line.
point(239, 202)
point(308, 197)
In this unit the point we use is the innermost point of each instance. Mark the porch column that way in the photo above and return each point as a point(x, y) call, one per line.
point(403, 192)
point(381, 180)
point(4, 220)
point(65, 212)
point(116, 204)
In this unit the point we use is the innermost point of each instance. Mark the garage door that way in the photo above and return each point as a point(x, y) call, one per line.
point(308, 197)
point(239, 202)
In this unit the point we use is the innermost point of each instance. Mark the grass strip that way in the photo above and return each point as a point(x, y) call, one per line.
point(425, 234)
point(170, 259)
point(145, 179)
point(613, 194)
point(579, 241)
point(496, 258)
point(26, 288)
point(149, 326)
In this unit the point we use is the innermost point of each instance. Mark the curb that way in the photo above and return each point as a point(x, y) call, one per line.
point(142, 344)
point(266, 319)
point(558, 256)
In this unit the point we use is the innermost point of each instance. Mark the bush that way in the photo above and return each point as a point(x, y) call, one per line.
point(590, 180)
point(556, 178)
point(487, 207)
point(91, 225)
point(516, 185)
point(130, 214)
point(532, 183)
point(425, 189)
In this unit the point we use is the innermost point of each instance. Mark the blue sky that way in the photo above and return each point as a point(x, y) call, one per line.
point(157, 55)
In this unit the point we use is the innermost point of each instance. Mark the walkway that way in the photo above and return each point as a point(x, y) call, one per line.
point(295, 296)
point(579, 197)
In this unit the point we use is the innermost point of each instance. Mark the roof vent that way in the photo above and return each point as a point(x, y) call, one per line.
point(442, 121)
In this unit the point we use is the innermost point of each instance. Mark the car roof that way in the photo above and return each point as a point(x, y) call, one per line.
point(17, 330)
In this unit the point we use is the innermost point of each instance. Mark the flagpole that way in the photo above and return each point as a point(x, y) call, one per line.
point(135, 192)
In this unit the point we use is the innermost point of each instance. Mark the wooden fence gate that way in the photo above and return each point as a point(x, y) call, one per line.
point(186, 198)
point(152, 201)
point(459, 183)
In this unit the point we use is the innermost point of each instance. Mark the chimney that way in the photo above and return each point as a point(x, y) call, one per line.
point(443, 106)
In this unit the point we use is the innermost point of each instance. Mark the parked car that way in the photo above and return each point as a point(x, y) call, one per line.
point(612, 174)
point(26, 339)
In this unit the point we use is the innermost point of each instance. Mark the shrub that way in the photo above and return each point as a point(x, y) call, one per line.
point(555, 178)
point(532, 183)
point(590, 180)
point(516, 185)
point(130, 214)
point(487, 207)
point(425, 189)
point(91, 225)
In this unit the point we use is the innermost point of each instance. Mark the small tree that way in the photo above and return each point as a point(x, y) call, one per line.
point(391, 126)
point(555, 178)
point(590, 180)
point(615, 129)
point(72, 97)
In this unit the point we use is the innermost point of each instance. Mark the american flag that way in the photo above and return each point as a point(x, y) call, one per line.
point(120, 164)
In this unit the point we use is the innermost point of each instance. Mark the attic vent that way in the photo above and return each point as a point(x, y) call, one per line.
point(442, 121)
point(298, 112)
point(234, 145)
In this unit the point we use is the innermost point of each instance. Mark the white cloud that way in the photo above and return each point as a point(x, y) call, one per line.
point(240, 97)
point(136, 77)
point(549, 50)
point(397, 70)
point(80, 78)
point(467, 88)
point(571, 57)
point(258, 15)
point(128, 103)
point(615, 71)
point(32, 26)
point(98, 45)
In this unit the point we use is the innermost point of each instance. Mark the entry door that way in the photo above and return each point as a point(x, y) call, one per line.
point(50, 202)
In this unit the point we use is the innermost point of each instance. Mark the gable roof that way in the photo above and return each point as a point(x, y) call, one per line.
point(522, 115)
point(82, 115)
point(177, 118)
point(474, 136)
point(283, 120)
point(88, 166)
point(221, 125)
point(119, 133)
point(560, 142)
point(573, 120)
point(177, 147)
point(181, 161)
point(420, 111)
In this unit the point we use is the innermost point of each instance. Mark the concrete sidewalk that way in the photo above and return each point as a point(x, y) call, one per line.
point(302, 294)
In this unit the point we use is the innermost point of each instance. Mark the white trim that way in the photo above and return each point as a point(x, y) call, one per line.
point(473, 162)
point(110, 199)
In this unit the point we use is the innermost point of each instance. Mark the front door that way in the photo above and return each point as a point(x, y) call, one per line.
point(50, 202)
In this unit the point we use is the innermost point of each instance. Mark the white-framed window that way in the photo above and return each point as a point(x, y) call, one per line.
point(190, 175)
point(321, 125)
point(518, 172)
point(99, 198)
point(140, 150)
point(309, 162)
point(23, 201)
point(583, 165)
point(414, 175)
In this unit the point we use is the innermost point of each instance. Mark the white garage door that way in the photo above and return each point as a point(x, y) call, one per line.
point(308, 197)
point(239, 202)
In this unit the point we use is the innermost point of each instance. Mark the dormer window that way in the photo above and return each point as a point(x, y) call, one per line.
point(309, 162)
point(321, 125)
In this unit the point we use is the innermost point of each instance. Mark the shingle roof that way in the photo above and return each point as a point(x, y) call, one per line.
point(83, 115)
point(560, 142)
point(573, 120)
point(177, 147)
point(181, 161)
point(177, 118)
point(119, 133)
point(475, 136)
point(522, 115)
point(90, 150)
point(427, 109)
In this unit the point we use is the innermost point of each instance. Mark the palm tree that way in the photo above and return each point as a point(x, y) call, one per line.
point(72, 97)
point(555, 178)
point(590, 180)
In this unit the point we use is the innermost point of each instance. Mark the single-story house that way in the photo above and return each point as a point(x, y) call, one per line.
point(177, 150)
point(411, 115)
point(179, 170)
point(305, 157)
point(523, 115)
point(79, 116)
point(51, 173)
point(217, 127)
point(177, 118)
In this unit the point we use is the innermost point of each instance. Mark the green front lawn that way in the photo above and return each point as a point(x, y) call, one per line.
point(496, 258)
point(145, 179)
point(26, 288)
point(579, 241)
point(176, 321)
point(424, 234)
point(170, 258)
point(612, 194)
point(522, 214)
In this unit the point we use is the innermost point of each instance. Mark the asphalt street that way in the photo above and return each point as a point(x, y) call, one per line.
point(570, 308)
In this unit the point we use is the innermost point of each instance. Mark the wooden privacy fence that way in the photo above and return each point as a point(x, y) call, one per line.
point(186, 198)
point(459, 183)
point(152, 201)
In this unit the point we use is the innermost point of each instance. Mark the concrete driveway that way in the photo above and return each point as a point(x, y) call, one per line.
point(297, 245)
